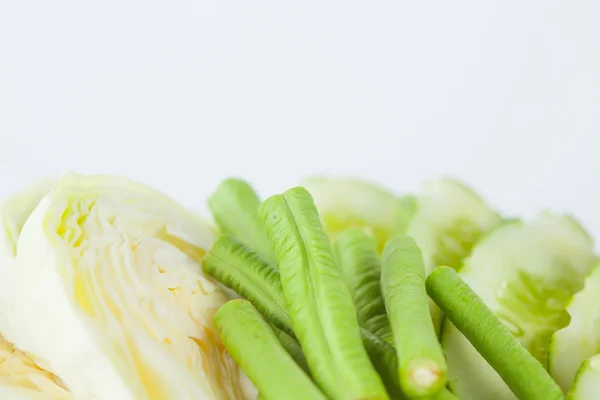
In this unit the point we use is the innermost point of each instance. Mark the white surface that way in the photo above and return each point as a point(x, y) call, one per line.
point(180, 94)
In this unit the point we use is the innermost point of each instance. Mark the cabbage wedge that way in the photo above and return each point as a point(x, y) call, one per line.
point(111, 295)
point(20, 377)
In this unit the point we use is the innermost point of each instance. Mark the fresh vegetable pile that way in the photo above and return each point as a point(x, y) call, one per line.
point(336, 289)
point(340, 274)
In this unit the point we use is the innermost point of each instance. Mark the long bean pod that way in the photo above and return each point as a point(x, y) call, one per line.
point(319, 304)
point(360, 268)
point(523, 373)
point(253, 345)
point(234, 206)
point(249, 275)
point(236, 267)
point(422, 365)
point(293, 348)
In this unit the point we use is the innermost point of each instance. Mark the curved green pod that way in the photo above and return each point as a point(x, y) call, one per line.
point(526, 273)
point(381, 353)
point(234, 206)
point(422, 365)
point(253, 345)
point(320, 306)
point(267, 296)
point(523, 374)
point(293, 348)
point(360, 268)
point(249, 275)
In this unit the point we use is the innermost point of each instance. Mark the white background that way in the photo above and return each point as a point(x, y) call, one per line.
point(180, 94)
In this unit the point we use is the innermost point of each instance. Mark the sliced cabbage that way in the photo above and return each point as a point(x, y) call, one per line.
point(525, 273)
point(580, 340)
point(20, 377)
point(14, 211)
point(112, 297)
point(352, 203)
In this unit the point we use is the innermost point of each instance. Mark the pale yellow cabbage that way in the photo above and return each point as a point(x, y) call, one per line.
point(20, 377)
point(111, 295)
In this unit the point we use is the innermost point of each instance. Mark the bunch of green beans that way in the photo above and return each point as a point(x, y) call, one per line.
point(337, 321)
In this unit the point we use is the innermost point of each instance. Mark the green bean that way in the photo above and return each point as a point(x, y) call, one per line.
point(422, 367)
point(234, 206)
point(360, 268)
point(254, 279)
point(319, 304)
point(293, 348)
point(234, 265)
point(384, 359)
point(253, 345)
point(522, 372)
